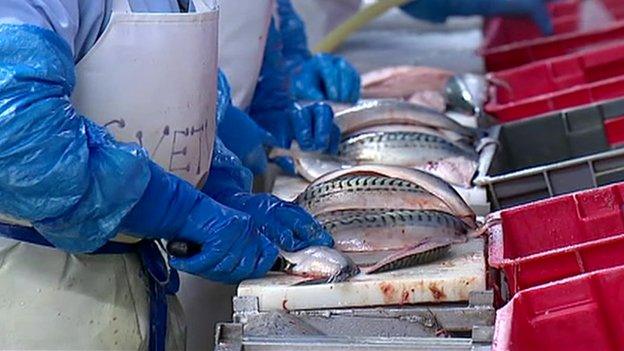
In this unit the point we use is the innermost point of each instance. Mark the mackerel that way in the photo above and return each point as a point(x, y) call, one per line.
point(384, 112)
point(448, 135)
point(387, 229)
point(421, 253)
point(311, 165)
point(319, 263)
point(411, 149)
point(367, 192)
point(432, 184)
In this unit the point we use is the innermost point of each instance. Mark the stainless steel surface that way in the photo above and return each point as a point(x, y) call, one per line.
point(396, 327)
point(230, 338)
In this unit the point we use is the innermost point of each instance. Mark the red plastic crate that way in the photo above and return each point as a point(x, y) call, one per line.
point(552, 75)
point(538, 105)
point(558, 238)
point(615, 7)
point(499, 31)
point(521, 53)
point(579, 314)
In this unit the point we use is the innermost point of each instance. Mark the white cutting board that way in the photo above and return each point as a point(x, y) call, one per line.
point(450, 279)
point(289, 187)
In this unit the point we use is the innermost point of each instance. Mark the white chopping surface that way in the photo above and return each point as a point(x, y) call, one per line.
point(450, 279)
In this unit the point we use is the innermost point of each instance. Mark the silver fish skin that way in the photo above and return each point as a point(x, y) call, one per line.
point(421, 253)
point(382, 230)
point(363, 191)
point(385, 112)
point(411, 149)
point(434, 185)
point(453, 137)
point(319, 262)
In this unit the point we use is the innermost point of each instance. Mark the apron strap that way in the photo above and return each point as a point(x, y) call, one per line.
point(121, 6)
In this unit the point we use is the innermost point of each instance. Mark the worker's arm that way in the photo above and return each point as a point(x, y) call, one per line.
point(273, 106)
point(440, 10)
point(77, 185)
point(314, 77)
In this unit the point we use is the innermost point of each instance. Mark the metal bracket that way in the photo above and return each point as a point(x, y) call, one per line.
point(229, 337)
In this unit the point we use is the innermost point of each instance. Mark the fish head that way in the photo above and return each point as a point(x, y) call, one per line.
point(466, 93)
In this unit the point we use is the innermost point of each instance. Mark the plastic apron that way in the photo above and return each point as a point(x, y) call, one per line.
point(323, 16)
point(243, 31)
point(151, 78)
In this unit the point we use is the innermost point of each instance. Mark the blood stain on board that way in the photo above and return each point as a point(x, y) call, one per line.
point(437, 292)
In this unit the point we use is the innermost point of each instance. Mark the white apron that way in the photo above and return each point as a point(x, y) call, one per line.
point(243, 30)
point(323, 16)
point(151, 78)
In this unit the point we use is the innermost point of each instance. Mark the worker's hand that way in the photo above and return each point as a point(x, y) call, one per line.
point(439, 10)
point(286, 224)
point(314, 77)
point(232, 248)
point(311, 126)
point(245, 138)
point(314, 128)
point(326, 77)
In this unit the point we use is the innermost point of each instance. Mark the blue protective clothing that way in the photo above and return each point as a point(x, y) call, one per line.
point(274, 109)
point(314, 77)
point(56, 166)
point(231, 247)
point(440, 10)
point(245, 138)
point(63, 173)
point(240, 133)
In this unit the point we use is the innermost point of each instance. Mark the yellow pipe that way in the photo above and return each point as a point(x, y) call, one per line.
point(357, 21)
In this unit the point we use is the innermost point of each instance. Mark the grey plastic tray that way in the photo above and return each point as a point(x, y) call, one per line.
point(552, 155)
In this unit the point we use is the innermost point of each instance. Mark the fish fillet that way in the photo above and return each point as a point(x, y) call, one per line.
point(412, 149)
point(432, 184)
point(388, 229)
point(403, 81)
point(387, 112)
point(367, 192)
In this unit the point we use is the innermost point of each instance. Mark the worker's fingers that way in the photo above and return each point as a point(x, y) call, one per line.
point(357, 88)
point(307, 86)
point(302, 125)
point(349, 81)
point(280, 235)
point(306, 231)
point(323, 122)
point(287, 164)
point(266, 259)
point(330, 76)
point(334, 140)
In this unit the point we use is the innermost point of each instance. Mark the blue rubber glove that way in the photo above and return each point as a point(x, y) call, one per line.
point(274, 109)
point(232, 249)
point(286, 224)
point(314, 77)
point(439, 10)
